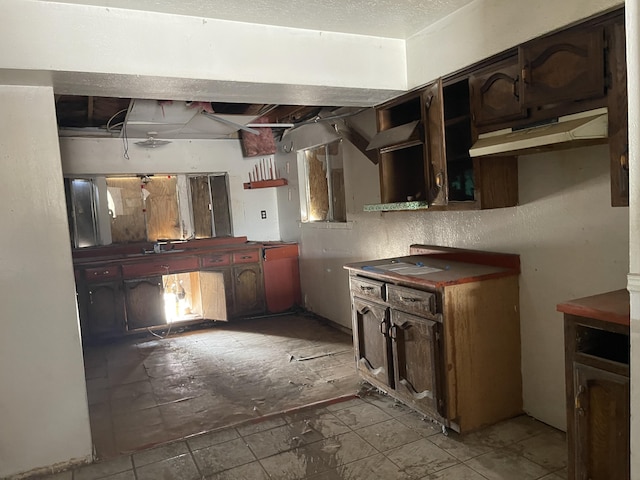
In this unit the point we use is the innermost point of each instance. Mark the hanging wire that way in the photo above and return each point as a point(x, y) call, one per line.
point(125, 141)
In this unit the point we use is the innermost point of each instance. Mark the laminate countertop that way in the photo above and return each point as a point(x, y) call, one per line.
point(609, 307)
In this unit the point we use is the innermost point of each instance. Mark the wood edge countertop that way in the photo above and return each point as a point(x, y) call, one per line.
point(457, 266)
point(610, 307)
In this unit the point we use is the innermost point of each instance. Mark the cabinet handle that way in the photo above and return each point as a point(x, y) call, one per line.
point(245, 257)
point(525, 74)
point(515, 88)
point(104, 272)
point(365, 289)
point(393, 333)
point(383, 330)
point(410, 299)
point(90, 297)
point(439, 179)
point(578, 404)
point(624, 159)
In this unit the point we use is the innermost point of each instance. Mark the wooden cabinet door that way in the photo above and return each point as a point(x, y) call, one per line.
point(618, 119)
point(435, 145)
point(495, 97)
point(248, 289)
point(145, 303)
point(370, 340)
point(562, 68)
point(105, 310)
point(601, 420)
point(417, 361)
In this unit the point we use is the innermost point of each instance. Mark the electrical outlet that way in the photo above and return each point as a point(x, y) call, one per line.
point(263, 214)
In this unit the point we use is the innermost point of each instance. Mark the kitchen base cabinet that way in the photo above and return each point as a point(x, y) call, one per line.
point(597, 382)
point(105, 308)
point(248, 289)
point(144, 299)
point(370, 338)
point(443, 338)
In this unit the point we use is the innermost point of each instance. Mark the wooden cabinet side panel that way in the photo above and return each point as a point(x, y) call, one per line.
point(482, 352)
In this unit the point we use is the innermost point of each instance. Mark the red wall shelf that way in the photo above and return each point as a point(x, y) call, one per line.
point(276, 182)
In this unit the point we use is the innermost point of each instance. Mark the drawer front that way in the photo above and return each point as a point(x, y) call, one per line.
point(365, 287)
point(217, 260)
point(99, 274)
point(411, 301)
point(251, 256)
point(162, 266)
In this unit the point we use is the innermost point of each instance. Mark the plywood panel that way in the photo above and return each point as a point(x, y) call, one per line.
point(482, 351)
point(126, 210)
point(214, 305)
point(163, 217)
point(201, 204)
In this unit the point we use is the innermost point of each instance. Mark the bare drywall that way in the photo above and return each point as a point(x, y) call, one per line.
point(43, 405)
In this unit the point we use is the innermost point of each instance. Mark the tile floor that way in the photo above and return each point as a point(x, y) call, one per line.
point(145, 391)
point(367, 438)
point(207, 404)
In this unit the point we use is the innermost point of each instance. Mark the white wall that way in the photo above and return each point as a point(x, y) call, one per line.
point(141, 54)
point(105, 156)
point(43, 406)
point(633, 87)
point(486, 27)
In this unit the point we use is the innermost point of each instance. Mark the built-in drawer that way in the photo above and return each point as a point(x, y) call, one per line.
point(215, 260)
point(161, 266)
point(99, 274)
point(411, 301)
point(366, 287)
point(249, 256)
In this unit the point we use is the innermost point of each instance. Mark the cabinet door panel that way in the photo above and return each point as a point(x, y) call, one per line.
point(370, 327)
point(145, 303)
point(105, 309)
point(562, 68)
point(437, 175)
point(417, 361)
point(248, 289)
point(494, 94)
point(601, 418)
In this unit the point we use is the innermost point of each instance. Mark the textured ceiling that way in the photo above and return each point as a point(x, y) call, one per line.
point(384, 18)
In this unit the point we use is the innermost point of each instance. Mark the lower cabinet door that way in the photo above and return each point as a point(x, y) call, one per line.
point(601, 419)
point(371, 344)
point(104, 310)
point(248, 291)
point(417, 361)
point(145, 303)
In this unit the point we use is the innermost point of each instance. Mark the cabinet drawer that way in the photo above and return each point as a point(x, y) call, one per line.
point(99, 274)
point(365, 287)
point(161, 266)
point(411, 300)
point(246, 257)
point(216, 260)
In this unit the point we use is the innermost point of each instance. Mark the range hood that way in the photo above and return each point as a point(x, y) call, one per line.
point(580, 129)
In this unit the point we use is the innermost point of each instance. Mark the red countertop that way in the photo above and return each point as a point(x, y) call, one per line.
point(609, 307)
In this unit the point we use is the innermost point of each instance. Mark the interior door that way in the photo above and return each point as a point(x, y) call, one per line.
point(417, 360)
point(371, 327)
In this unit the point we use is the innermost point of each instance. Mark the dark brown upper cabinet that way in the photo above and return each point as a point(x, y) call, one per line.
point(561, 68)
point(423, 140)
point(495, 93)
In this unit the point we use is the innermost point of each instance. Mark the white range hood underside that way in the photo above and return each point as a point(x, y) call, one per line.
point(584, 128)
